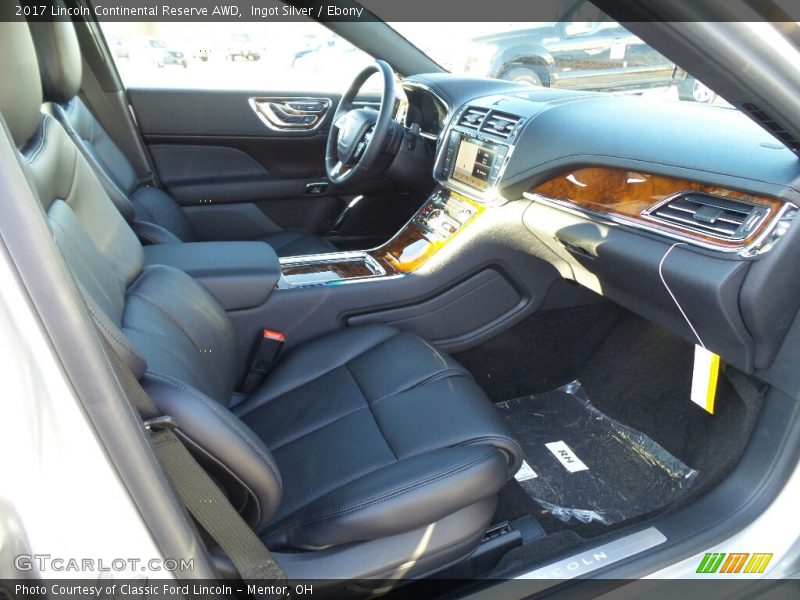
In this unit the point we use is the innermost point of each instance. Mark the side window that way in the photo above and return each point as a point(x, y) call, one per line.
point(268, 56)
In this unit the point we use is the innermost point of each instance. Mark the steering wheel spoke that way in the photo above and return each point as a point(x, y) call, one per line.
point(358, 135)
point(339, 169)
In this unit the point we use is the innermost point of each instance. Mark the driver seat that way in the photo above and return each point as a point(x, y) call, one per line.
point(153, 214)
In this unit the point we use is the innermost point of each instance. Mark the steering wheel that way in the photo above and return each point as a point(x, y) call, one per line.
point(358, 136)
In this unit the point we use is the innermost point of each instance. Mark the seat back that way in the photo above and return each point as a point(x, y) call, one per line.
point(168, 329)
point(157, 218)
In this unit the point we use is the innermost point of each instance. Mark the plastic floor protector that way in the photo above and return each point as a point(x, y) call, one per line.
point(581, 464)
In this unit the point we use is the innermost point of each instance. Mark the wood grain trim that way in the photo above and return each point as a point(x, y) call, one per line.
point(411, 247)
point(342, 269)
point(626, 194)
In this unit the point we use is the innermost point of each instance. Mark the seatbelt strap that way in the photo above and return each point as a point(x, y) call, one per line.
point(100, 76)
point(201, 496)
point(209, 506)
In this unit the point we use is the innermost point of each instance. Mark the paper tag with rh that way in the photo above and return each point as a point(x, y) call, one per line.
point(566, 457)
point(704, 378)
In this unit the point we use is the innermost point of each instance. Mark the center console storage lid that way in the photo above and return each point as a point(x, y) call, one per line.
point(238, 274)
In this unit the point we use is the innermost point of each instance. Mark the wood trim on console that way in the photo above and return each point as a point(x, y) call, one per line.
point(343, 269)
point(411, 247)
point(406, 252)
point(625, 193)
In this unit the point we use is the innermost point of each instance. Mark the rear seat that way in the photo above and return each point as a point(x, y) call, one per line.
point(364, 450)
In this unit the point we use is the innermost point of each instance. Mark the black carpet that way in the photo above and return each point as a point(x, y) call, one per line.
point(632, 371)
point(641, 376)
point(541, 353)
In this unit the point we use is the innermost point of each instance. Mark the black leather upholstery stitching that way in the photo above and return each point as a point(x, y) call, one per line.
point(136, 279)
point(68, 239)
point(226, 418)
point(495, 438)
point(299, 385)
point(101, 323)
point(194, 369)
point(369, 407)
point(111, 188)
point(138, 226)
point(221, 464)
point(163, 311)
point(308, 432)
point(349, 509)
point(452, 372)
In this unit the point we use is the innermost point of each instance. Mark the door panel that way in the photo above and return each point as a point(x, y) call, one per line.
point(249, 220)
point(234, 174)
point(210, 112)
point(235, 170)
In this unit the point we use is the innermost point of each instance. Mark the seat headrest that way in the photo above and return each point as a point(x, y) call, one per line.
point(20, 85)
point(59, 57)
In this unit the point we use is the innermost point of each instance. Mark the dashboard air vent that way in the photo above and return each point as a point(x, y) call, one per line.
point(712, 215)
point(772, 126)
point(500, 124)
point(473, 117)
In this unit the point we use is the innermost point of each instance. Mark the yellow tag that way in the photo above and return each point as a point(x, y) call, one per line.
point(704, 378)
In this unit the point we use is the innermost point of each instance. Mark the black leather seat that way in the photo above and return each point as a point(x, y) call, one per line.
point(154, 214)
point(365, 453)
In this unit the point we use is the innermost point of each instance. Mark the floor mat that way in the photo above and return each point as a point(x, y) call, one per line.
point(582, 465)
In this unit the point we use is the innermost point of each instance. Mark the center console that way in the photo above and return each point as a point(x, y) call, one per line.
point(442, 216)
point(239, 275)
point(471, 157)
point(470, 162)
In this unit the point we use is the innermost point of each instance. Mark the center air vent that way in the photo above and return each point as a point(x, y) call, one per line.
point(712, 215)
point(473, 117)
point(500, 124)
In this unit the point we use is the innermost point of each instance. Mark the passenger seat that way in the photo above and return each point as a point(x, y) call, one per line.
point(365, 453)
point(154, 215)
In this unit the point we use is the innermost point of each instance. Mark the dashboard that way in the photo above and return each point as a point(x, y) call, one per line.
point(426, 110)
point(683, 213)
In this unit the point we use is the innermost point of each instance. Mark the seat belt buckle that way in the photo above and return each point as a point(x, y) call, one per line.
point(269, 345)
point(266, 351)
point(160, 423)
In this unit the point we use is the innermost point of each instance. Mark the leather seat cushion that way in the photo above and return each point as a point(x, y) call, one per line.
point(153, 205)
point(159, 219)
point(376, 432)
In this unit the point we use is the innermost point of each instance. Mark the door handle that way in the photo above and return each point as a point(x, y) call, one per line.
point(290, 114)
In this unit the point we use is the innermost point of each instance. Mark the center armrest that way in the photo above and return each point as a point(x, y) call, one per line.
point(238, 274)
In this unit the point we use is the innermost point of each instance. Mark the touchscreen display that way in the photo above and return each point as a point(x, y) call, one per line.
point(474, 163)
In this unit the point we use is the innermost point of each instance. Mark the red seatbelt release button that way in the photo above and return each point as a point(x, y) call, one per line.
point(272, 334)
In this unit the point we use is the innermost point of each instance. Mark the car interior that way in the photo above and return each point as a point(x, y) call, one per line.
point(442, 331)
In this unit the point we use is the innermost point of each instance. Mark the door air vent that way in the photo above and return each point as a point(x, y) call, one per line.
point(473, 117)
point(711, 215)
point(500, 124)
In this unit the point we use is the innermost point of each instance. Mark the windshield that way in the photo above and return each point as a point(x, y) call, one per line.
point(585, 50)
